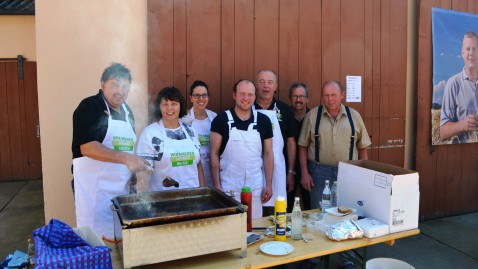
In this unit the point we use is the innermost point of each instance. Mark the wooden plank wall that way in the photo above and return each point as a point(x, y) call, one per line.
point(221, 41)
point(448, 173)
point(20, 155)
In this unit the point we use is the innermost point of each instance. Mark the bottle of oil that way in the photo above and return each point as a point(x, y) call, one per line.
point(31, 252)
point(280, 215)
point(296, 219)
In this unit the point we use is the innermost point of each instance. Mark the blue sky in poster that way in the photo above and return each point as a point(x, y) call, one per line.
point(448, 29)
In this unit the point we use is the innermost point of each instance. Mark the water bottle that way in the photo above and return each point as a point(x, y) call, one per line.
point(280, 219)
point(333, 193)
point(296, 220)
point(326, 196)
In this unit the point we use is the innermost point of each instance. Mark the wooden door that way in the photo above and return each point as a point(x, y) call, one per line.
point(20, 155)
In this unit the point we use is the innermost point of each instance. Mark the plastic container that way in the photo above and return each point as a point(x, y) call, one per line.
point(246, 199)
point(280, 215)
point(333, 194)
point(296, 233)
point(379, 263)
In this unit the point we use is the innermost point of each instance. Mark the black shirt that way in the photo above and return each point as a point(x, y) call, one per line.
point(220, 126)
point(90, 121)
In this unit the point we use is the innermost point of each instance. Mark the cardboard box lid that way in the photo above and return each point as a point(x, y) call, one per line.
point(387, 177)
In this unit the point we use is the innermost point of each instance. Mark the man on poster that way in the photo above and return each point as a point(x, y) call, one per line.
point(459, 112)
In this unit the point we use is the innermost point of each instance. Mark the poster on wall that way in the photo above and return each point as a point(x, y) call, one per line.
point(455, 77)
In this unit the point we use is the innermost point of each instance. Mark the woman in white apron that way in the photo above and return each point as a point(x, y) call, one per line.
point(200, 119)
point(279, 187)
point(171, 147)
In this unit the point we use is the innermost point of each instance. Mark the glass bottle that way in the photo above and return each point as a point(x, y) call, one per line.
point(326, 197)
point(296, 220)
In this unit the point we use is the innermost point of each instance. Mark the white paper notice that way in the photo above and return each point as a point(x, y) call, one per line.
point(354, 89)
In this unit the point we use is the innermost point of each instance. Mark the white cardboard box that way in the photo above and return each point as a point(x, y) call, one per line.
point(384, 192)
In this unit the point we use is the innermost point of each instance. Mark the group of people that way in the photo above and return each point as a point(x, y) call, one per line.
point(274, 148)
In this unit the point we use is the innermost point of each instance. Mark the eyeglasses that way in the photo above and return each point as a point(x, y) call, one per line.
point(299, 97)
point(197, 95)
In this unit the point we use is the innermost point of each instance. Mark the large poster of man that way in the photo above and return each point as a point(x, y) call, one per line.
point(455, 77)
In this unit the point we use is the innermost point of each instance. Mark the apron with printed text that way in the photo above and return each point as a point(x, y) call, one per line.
point(97, 182)
point(279, 176)
point(241, 163)
point(179, 162)
point(203, 129)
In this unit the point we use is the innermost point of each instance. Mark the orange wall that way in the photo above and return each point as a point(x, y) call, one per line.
point(17, 37)
point(75, 42)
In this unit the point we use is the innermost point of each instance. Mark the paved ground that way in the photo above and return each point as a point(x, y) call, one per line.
point(445, 243)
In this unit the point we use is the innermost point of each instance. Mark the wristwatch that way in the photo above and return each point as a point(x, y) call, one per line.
point(291, 172)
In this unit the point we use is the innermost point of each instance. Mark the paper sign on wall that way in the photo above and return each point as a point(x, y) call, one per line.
point(354, 89)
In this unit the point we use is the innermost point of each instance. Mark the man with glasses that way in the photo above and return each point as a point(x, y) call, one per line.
point(283, 142)
point(299, 97)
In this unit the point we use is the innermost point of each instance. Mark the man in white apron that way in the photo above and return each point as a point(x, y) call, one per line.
point(103, 146)
point(241, 147)
point(285, 131)
point(279, 175)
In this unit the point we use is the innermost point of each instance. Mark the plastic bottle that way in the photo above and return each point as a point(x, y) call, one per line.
point(296, 220)
point(246, 199)
point(31, 252)
point(326, 197)
point(280, 215)
point(333, 194)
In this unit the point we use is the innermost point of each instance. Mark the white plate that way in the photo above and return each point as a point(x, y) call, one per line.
point(335, 211)
point(276, 248)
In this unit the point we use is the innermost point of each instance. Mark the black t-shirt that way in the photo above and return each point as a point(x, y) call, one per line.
point(90, 121)
point(220, 126)
point(286, 119)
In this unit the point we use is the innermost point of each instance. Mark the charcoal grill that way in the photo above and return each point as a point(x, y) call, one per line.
point(170, 225)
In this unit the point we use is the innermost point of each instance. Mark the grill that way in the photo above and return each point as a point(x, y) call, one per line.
point(169, 225)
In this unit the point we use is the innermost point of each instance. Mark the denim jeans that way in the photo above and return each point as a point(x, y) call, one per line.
point(320, 173)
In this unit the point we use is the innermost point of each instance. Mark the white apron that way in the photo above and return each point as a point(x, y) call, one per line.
point(97, 182)
point(241, 163)
point(279, 176)
point(203, 129)
point(179, 162)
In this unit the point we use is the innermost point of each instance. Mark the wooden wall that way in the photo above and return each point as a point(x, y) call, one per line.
point(20, 155)
point(448, 173)
point(221, 41)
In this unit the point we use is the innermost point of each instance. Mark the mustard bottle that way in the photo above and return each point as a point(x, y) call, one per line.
point(280, 214)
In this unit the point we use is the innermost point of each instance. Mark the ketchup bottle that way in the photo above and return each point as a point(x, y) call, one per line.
point(246, 199)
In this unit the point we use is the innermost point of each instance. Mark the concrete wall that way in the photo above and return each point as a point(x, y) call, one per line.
point(76, 40)
point(17, 37)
